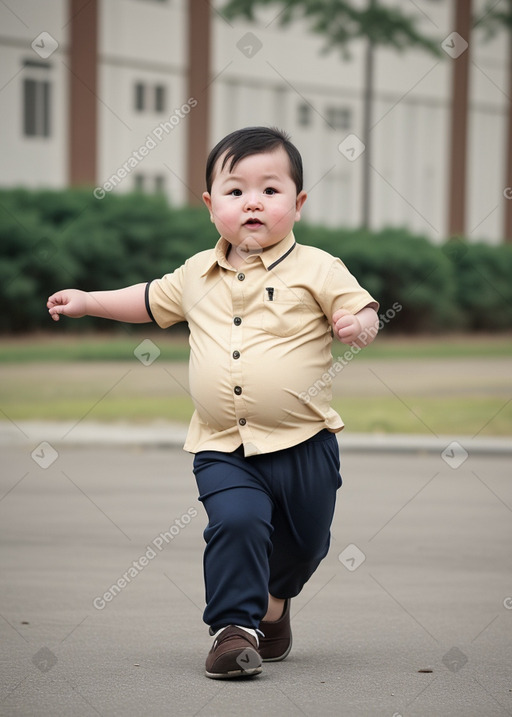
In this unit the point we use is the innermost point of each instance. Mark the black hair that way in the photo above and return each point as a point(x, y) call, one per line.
point(254, 140)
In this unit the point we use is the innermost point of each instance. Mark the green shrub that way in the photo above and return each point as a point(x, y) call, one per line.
point(483, 284)
point(33, 261)
point(397, 268)
point(51, 240)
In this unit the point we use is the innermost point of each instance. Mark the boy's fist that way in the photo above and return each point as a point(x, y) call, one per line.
point(347, 327)
point(70, 302)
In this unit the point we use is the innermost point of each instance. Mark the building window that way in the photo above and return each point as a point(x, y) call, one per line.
point(304, 115)
point(140, 92)
point(338, 117)
point(159, 98)
point(138, 182)
point(149, 184)
point(150, 97)
point(36, 108)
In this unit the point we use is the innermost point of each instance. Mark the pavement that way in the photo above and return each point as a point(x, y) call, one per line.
point(101, 586)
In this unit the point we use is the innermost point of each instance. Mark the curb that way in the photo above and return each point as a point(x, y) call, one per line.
point(169, 435)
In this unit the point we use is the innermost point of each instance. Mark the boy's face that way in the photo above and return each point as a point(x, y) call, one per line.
point(257, 204)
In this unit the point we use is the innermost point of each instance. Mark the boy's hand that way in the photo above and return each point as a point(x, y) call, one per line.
point(70, 302)
point(347, 327)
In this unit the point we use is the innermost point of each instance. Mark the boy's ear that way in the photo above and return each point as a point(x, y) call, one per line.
point(208, 201)
point(299, 203)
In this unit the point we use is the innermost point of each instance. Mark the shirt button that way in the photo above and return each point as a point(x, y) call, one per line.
point(240, 276)
point(237, 321)
point(238, 390)
point(242, 421)
point(236, 354)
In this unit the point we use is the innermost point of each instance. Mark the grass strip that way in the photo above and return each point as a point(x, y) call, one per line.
point(384, 414)
point(52, 348)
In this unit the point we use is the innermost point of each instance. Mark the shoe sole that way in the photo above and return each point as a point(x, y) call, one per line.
point(251, 672)
point(281, 657)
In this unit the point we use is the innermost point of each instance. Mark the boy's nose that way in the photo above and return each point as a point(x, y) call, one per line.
point(253, 200)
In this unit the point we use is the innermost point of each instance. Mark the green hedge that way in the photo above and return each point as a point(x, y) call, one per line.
point(56, 239)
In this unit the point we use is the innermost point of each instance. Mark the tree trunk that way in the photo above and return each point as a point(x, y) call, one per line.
point(198, 121)
point(83, 103)
point(459, 124)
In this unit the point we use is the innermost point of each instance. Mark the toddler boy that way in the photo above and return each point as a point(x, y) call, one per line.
point(262, 311)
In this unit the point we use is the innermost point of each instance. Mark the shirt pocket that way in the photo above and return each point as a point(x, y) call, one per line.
point(285, 311)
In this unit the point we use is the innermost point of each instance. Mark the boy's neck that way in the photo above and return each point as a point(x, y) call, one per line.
point(234, 258)
point(238, 258)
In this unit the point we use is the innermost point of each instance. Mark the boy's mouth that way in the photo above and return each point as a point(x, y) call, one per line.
point(253, 222)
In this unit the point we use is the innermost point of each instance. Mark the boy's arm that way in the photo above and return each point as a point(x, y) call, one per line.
point(359, 329)
point(126, 305)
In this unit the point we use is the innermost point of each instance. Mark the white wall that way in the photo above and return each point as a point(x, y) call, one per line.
point(142, 42)
point(32, 161)
point(487, 172)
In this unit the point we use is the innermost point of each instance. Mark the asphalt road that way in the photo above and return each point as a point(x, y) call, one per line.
point(410, 614)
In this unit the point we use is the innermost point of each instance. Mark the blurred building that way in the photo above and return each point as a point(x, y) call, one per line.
point(98, 92)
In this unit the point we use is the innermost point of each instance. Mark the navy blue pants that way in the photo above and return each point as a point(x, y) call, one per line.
point(269, 519)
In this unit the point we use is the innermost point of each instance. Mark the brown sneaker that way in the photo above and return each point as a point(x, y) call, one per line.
point(234, 654)
point(277, 643)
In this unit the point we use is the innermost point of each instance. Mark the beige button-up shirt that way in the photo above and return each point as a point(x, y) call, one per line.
point(260, 336)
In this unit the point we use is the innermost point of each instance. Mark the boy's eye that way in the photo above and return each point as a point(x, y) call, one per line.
point(270, 191)
point(236, 192)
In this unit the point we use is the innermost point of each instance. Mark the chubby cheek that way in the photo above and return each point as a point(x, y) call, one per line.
point(224, 219)
point(283, 216)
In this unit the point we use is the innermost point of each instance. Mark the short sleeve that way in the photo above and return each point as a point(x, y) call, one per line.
point(164, 299)
point(341, 290)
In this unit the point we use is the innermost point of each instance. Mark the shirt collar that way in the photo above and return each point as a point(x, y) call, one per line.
point(269, 257)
